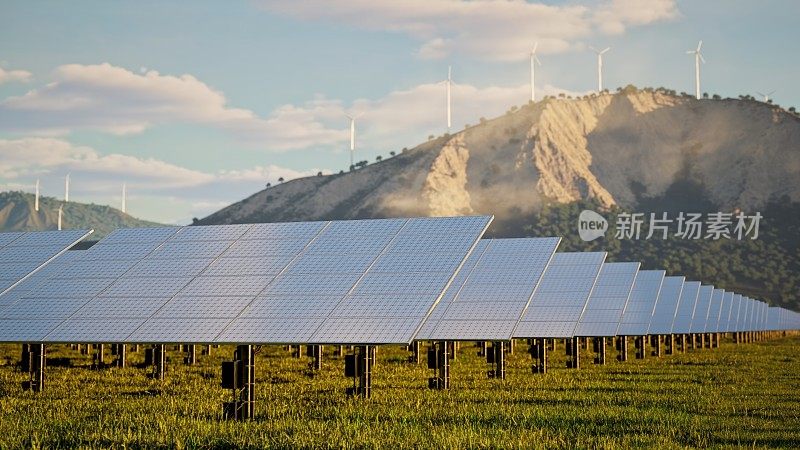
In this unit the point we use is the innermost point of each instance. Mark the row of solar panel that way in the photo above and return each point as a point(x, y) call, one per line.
point(367, 281)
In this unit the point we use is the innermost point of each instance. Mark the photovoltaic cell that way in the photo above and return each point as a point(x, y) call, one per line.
point(494, 287)
point(685, 312)
point(666, 306)
point(567, 283)
point(715, 311)
point(639, 310)
point(23, 253)
point(701, 309)
point(254, 283)
point(610, 295)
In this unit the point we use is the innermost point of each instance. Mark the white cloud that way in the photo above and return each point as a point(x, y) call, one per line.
point(168, 188)
point(488, 29)
point(115, 100)
point(7, 76)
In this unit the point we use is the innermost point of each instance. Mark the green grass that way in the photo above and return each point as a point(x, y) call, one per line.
point(747, 395)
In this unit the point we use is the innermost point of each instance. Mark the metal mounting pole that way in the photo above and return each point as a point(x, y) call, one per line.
point(122, 357)
point(640, 342)
point(497, 358)
point(573, 351)
point(439, 361)
point(670, 344)
point(414, 348)
point(239, 376)
point(315, 352)
point(599, 347)
point(538, 350)
point(622, 348)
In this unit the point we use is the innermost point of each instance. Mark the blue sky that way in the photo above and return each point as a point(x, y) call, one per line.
point(199, 104)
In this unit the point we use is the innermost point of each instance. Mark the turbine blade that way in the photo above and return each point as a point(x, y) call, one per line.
point(771, 92)
point(593, 49)
point(535, 46)
point(535, 58)
point(606, 49)
point(699, 44)
point(690, 52)
point(701, 57)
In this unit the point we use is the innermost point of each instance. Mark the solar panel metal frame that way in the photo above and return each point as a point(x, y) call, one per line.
point(685, 312)
point(603, 312)
point(496, 264)
point(641, 303)
point(414, 237)
point(575, 271)
point(701, 309)
point(715, 311)
point(666, 306)
point(64, 240)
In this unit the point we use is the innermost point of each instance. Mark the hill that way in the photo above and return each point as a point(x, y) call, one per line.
point(638, 150)
point(17, 213)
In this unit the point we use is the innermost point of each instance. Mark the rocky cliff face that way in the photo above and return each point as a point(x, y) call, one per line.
point(634, 148)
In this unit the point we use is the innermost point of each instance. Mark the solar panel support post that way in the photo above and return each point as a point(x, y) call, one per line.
point(122, 357)
point(670, 344)
point(439, 361)
point(693, 341)
point(191, 355)
point(573, 351)
point(158, 361)
point(702, 340)
point(511, 347)
point(639, 342)
point(315, 352)
point(25, 358)
point(482, 349)
point(453, 351)
point(681, 343)
point(98, 358)
point(239, 376)
point(599, 345)
point(414, 348)
point(538, 350)
point(497, 358)
point(656, 344)
point(38, 359)
point(622, 348)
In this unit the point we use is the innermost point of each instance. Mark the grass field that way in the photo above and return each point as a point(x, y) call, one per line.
point(747, 395)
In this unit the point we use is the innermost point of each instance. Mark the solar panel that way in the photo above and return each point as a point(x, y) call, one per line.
point(23, 253)
point(304, 282)
point(701, 308)
point(715, 311)
point(610, 295)
point(685, 312)
point(666, 306)
point(736, 314)
point(492, 290)
point(561, 296)
point(727, 311)
point(639, 310)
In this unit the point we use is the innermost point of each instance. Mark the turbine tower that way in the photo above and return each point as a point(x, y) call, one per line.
point(697, 58)
point(60, 213)
point(352, 134)
point(124, 198)
point(36, 198)
point(600, 67)
point(534, 59)
point(766, 96)
point(66, 188)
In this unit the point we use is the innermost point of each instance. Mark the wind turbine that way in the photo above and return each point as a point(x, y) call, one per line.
point(124, 198)
point(66, 188)
point(36, 198)
point(766, 96)
point(600, 67)
point(352, 134)
point(697, 58)
point(533, 78)
point(60, 213)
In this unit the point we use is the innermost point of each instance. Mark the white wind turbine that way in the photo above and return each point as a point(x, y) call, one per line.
point(600, 66)
point(353, 134)
point(697, 58)
point(66, 188)
point(124, 198)
point(766, 96)
point(36, 198)
point(534, 59)
point(60, 213)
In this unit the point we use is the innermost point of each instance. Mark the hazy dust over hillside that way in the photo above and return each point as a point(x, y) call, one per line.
point(630, 148)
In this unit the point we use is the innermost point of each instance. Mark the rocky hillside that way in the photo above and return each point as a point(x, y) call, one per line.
point(17, 214)
point(634, 149)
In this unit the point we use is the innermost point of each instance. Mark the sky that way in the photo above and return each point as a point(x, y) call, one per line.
point(196, 105)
